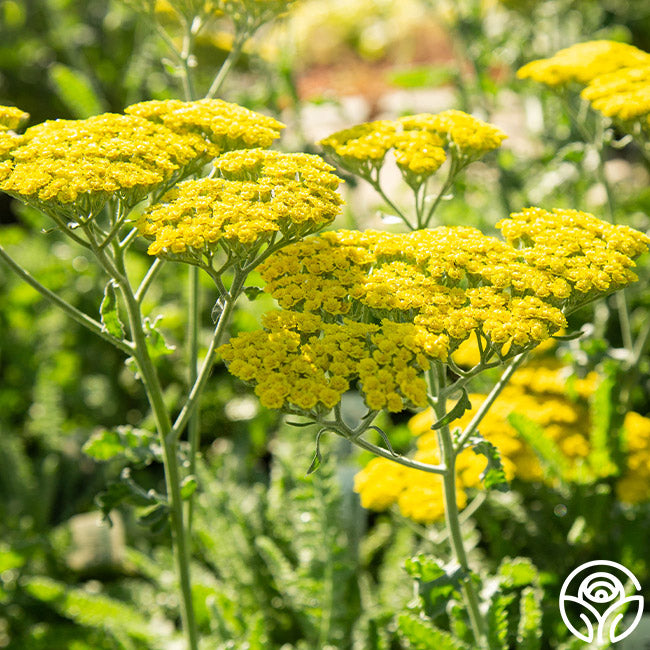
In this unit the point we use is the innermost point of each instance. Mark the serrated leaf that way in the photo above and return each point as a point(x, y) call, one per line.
point(497, 620)
point(188, 487)
point(529, 630)
point(493, 476)
point(423, 635)
point(517, 572)
point(602, 412)
point(545, 448)
point(463, 404)
point(124, 442)
point(125, 491)
point(156, 343)
point(76, 91)
point(91, 610)
point(109, 312)
point(436, 585)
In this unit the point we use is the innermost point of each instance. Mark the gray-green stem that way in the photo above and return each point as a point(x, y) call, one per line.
point(452, 519)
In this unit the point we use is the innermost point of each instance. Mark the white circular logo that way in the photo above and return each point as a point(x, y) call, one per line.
point(596, 593)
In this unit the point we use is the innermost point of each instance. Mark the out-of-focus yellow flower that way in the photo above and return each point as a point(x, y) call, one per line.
point(583, 62)
point(623, 95)
point(634, 485)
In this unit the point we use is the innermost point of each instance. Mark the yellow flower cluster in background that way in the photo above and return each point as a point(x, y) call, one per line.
point(634, 485)
point(258, 194)
point(623, 95)
point(583, 62)
point(538, 390)
point(418, 141)
point(615, 76)
point(438, 287)
point(224, 126)
point(11, 118)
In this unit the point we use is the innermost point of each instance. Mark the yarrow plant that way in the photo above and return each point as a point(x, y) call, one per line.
point(384, 313)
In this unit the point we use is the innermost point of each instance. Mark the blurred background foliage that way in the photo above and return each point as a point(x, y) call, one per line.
point(283, 560)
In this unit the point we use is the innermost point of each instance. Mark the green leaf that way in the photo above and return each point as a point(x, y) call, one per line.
point(253, 292)
point(436, 585)
point(517, 572)
point(136, 446)
point(548, 452)
point(188, 487)
point(423, 635)
point(125, 491)
point(602, 414)
point(493, 476)
point(155, 341)
point(497, 620)
point(529, 631)
point(109, 311)
point(462, 405)
point(154, 517)
point(76, 91)
point(572, 336)
point(91, 610)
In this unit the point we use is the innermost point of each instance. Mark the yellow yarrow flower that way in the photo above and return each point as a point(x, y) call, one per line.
point(222, 125)
point(257, 194)
point(623, 95)
point(583, 62)
point(418, 142)
point(80, 163)
point(11, 118)
point(429, 290)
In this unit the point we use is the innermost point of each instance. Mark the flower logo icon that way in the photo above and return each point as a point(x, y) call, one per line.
point(600, 601)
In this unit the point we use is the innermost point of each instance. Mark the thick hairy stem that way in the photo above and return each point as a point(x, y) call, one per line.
point(452, 519)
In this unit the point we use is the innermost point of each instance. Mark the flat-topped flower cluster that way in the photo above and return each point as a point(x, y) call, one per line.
point(81, 163)
point(360, 303)
point(254, 195)
point(615, 78)
point(420, 143)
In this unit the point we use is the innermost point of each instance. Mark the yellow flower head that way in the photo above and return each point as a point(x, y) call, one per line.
point(11, 118)
point(258, 194)
point(223, 126)
point(418, 142)
point(427, 291)
point(82, 162)
point(583, 62)
point(623, 95)
point(634, 485)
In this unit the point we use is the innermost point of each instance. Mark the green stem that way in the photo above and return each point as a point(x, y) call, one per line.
point(116, 268)
point(194, 426)
point(195, 393)
point(398, 212)
point(448, 454)
point(148, 279)
point(489, 400)
point(83, 319)
point(231, 59)
point(402, 460)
